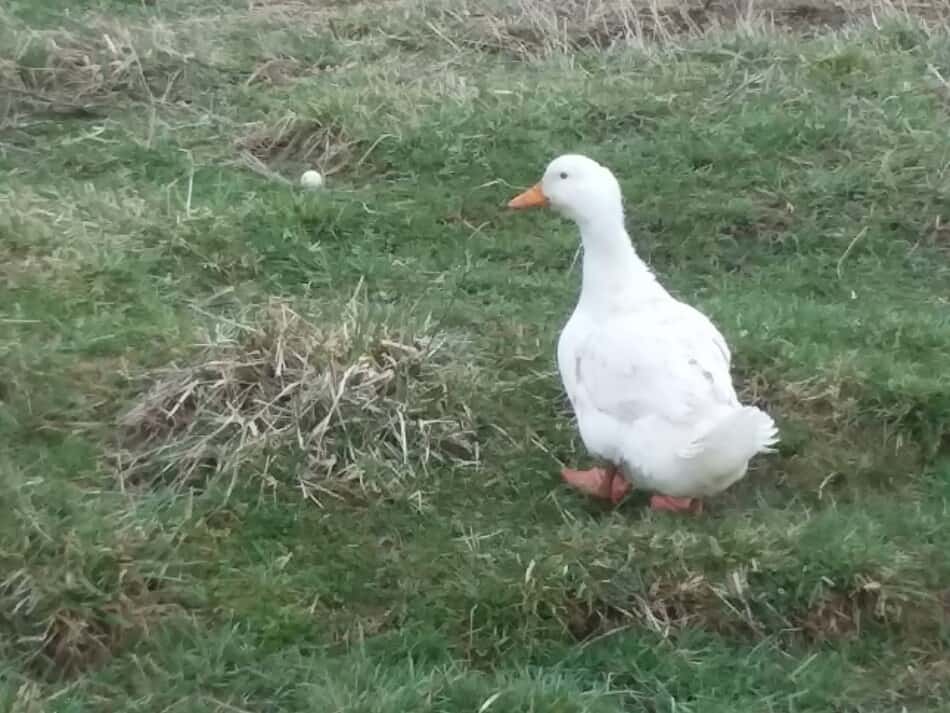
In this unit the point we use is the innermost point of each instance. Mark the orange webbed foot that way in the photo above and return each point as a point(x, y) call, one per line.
point(602, 483)
point(670, 504)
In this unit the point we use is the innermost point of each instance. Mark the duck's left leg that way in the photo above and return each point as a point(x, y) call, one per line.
point(604, 483)
point(671, 504)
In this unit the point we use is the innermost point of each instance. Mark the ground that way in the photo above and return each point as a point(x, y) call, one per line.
point(265, 449)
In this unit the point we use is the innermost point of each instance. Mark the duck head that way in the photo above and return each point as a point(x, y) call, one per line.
point(577, 187)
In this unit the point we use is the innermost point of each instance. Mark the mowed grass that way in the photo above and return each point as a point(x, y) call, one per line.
point(265, 449)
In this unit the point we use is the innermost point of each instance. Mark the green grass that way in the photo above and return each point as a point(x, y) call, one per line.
point(794, 188)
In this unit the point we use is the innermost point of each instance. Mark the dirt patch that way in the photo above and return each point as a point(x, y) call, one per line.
point(280, 71)
point(804, 17)
point(667, 605)
point(77, 640)
point(297, 11)
point(836, 616)
point(277, 72)
point(924, 680)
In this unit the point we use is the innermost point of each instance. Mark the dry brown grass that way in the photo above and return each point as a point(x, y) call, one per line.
point(65, 619)
point(732, 607)
point(532, 29)
point(84, 72)
point(326, 401)
point(927, 679)
point(292, 145)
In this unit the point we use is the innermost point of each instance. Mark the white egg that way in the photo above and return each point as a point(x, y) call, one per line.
point(311, 179)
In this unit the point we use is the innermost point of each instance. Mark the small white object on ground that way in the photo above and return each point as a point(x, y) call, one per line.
point(311, 179)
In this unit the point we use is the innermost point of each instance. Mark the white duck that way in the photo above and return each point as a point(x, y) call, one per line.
point(647, 375)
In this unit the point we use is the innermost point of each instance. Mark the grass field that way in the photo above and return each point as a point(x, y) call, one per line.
point(271, 450)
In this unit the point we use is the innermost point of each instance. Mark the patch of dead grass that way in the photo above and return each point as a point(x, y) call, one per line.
point(298, 11)
point(732, 607)
point(532, 29)
point(76, 611)
point(65, 71)
point(927, 679)
point(335, 403)
point(833, 434)
point(285, 148)
point(280, 71)
point(667, 605)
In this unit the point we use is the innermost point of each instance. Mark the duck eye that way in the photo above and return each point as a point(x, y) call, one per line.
point(563, 174)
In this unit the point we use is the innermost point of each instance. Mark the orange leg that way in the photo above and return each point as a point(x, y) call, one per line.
point(671, 504)
point(603, 483)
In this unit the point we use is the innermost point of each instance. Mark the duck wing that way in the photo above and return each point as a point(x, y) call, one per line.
point(664, 361)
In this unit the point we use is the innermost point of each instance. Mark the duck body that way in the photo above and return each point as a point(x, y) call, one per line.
point(648, 376)
point(648, 380)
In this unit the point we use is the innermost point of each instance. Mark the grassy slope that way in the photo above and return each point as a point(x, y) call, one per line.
point(812, 233)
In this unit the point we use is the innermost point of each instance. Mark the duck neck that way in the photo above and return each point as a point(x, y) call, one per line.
point(614, 276)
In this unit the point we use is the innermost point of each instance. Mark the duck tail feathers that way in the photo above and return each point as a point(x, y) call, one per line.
point(731, 443)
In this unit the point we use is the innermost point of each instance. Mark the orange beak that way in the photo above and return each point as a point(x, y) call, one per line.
point(532, 198)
